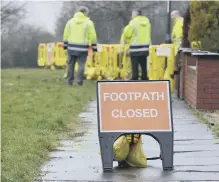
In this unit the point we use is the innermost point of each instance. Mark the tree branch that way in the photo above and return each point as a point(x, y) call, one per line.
point(10, 10)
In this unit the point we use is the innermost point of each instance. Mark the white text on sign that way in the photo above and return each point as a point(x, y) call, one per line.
point(135, 113)
point(134, 96)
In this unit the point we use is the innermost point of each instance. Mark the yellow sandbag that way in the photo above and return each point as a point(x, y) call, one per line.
point(136, 156)
point(121, 148)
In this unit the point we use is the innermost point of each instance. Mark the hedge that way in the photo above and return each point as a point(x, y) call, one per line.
point(204, 25)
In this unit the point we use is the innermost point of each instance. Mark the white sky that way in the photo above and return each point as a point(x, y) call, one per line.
point(43, 13)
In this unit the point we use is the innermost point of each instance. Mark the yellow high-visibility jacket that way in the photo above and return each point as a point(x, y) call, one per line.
point(79, 33)
point(123, 39)
point(138, 34)
point(177, 31)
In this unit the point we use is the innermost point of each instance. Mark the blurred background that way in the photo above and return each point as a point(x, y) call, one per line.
point(26, 24)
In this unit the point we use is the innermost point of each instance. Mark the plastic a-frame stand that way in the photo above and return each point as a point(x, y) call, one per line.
point(165, 140)
point(107, 139)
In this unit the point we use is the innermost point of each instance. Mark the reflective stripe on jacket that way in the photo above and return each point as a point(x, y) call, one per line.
point(79, 33)
point(138, 34)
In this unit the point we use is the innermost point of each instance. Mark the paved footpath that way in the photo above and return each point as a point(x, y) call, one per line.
point(196, 154)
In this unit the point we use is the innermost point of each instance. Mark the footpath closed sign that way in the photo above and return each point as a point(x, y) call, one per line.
point(129, 106)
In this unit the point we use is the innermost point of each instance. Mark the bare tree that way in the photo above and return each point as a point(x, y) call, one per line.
point(11, 14)
point(21, 47)
point(110, 17)
point(19, 40)
point(11, 11)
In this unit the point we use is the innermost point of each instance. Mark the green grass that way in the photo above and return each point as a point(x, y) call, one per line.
point(216, 130)
point(38, 108)
point(206, 118)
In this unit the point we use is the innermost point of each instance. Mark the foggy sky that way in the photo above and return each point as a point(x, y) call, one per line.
point(43, 14)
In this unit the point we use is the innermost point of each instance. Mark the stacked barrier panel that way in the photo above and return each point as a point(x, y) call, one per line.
point(125, 71)
point(42, 54)
point(60, 55)
point(170, 66)
point(50, 52)
point(113, 61)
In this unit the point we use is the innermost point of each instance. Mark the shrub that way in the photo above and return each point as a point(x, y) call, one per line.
point(204, 25)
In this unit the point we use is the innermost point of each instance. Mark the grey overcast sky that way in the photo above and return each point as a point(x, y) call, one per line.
point(43, 13)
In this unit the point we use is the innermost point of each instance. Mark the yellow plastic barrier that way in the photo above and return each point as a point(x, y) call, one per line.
point(52, 67)
point(162, 62)
point(98, 66)
point(90, 66)
point(50, 54)
point(112, 61)
point(107, 57)
point(104, 58)
point(42, 54)
point(60, 55)
point(170, 66)
point(117, 60)
point(156, 64)
point(112, 69)
point(125, 69)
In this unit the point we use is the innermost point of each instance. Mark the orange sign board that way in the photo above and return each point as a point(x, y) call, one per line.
point(134, 106)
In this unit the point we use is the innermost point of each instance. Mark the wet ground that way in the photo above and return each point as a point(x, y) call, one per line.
point(196, 154)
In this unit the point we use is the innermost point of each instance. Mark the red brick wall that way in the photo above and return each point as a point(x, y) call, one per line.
point(191, 86)
point(208, 84)
point(182, 76)
point(185, 60)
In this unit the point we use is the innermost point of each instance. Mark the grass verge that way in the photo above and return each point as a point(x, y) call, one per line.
point(37, 108)
point(209, 118)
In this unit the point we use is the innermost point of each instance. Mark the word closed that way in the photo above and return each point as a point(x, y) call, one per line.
point(134, 106)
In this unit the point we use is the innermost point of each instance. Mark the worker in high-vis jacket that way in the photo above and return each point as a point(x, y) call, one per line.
point(79, 34)
point(138, 35)
point(177, 31)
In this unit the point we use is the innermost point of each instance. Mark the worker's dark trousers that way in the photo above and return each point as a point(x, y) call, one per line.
point(136, 60)
point(81, 59)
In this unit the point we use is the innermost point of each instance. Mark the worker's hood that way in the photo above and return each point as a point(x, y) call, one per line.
point(142, 20)
point(80, 18)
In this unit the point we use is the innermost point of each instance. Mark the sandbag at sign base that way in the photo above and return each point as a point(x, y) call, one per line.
point(128, 155)
point(136, 156)
point(121, 148)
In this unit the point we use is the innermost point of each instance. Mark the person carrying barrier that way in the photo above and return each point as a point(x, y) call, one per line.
point(79, 35)
point(177, 31)
point(138, 35)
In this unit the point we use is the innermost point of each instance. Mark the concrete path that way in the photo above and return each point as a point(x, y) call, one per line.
point(196, 155)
